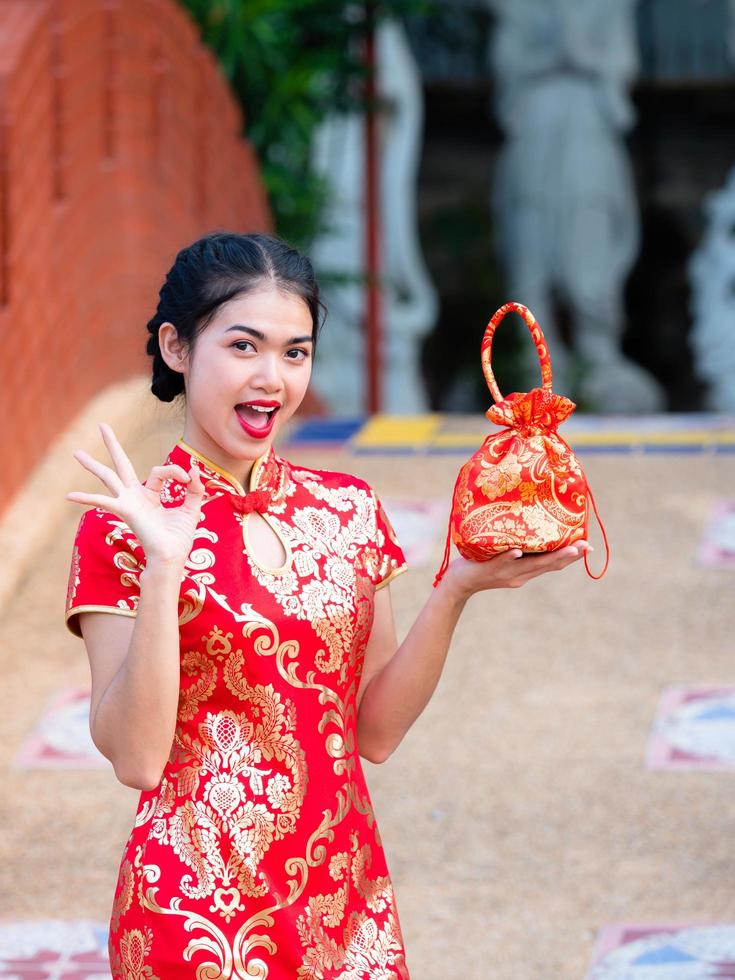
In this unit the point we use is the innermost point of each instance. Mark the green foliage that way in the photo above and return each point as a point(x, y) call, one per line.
point(291, 63)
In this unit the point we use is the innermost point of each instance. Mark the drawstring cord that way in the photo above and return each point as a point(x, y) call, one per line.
point(604, 536)
point(447, 546)
point(586, 521)
point(445, 559)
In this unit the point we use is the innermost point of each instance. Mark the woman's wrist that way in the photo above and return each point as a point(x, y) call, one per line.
point(456, 593)
point(159, 569)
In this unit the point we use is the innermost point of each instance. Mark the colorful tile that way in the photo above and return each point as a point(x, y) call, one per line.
point(333, 432)
point(61, 739)
point(694, 729)
point(717, 549)
point(419, 523)
point(446, 433)
point(54, 949)
point(391, 433)
point(664, 952)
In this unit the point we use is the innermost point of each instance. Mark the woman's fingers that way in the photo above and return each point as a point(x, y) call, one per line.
point(108, 476)
point(93, 500)
point(195, 489)
point(530, 566)
point(124, 467)
point(159, 474)
point(557, 560)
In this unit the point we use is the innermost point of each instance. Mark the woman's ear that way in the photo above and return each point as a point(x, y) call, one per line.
point(173, 350)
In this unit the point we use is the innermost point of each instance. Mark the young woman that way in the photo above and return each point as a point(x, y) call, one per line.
point(251, 657)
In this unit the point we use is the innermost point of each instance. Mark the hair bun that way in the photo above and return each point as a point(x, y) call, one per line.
point(166, 385)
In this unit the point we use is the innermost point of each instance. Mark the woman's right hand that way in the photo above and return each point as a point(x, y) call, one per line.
point(510, 569)
point(166, 534)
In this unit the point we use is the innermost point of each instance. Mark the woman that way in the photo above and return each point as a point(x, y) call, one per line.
point(253, 656)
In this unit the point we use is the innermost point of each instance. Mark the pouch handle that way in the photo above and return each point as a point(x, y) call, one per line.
point(538, 339)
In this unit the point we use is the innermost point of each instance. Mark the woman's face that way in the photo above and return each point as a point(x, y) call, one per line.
point(255, 354)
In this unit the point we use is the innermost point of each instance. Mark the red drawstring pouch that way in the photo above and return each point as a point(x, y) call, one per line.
point(524, 487)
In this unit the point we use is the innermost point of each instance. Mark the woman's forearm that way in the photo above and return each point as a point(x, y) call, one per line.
point(135, 720)
point(399, 692)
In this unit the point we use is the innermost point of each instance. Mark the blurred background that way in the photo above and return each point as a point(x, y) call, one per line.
point(435, 159)
point(574, 156)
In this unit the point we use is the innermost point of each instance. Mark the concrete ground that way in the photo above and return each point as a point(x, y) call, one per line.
point(517, 815)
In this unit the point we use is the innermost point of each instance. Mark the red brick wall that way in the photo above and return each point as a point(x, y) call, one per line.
point(119, 143)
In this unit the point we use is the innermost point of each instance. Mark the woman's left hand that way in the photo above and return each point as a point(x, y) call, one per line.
point(510, 570)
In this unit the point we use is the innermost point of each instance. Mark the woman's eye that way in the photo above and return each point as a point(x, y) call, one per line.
point(298, 350)
point(239, 344)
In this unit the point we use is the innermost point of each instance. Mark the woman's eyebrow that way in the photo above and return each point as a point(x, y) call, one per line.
point(261, 336)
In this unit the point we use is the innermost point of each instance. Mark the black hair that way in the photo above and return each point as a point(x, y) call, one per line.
point(210, 272)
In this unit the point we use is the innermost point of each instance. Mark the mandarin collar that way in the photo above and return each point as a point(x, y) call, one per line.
point(268, 472)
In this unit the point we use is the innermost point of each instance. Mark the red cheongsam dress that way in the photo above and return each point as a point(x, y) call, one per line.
point(258, 854)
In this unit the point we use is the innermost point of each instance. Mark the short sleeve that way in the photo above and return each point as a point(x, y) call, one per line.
point(106, 563)
point(386, 558)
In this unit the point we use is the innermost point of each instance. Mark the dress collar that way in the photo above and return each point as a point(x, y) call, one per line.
point(268, 473)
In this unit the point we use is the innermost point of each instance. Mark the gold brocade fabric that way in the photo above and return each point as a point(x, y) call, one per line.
point(524, 488)
point(258, 854)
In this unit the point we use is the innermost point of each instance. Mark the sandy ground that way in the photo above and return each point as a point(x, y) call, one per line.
point(517, 815)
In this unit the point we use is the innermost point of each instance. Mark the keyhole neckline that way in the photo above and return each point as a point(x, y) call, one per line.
point(269, 569)
point(267, 473)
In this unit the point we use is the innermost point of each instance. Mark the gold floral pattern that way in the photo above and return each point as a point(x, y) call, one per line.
point(129, 962)
point(228, 777)
point(116, 555)
point(497, 478)
point(366, 949)
point(124, 896)
point(71, 590)
point(328, 555)
point(257, 854)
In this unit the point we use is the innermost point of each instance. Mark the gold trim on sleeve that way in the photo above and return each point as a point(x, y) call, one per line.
point(389, 578)
point(75, 610)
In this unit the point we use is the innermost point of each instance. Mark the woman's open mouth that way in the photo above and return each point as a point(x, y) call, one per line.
point(256, 418)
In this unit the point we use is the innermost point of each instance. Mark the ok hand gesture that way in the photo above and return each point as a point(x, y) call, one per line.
point(165, 533)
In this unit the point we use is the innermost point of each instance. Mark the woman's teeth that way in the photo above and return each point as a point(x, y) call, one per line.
point(256, 415)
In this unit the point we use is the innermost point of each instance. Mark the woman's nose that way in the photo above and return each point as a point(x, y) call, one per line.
point(268, 375)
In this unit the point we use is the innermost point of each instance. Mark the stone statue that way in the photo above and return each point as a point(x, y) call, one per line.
point(563, 194)
point(408, 300)
point(712, 278)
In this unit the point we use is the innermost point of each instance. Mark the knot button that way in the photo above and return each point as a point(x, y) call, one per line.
point(258, 500)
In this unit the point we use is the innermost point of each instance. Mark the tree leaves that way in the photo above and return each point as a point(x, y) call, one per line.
point(291, 63)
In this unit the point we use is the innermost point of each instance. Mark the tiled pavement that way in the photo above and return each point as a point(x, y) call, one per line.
point(664, 952)
point(692, 733)
point(54, 950)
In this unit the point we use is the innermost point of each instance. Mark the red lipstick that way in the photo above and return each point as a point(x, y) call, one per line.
point(250, 421)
